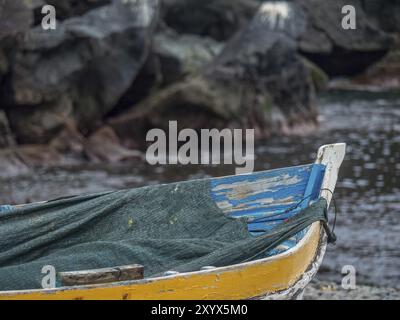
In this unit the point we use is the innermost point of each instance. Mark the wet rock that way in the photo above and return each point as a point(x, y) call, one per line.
point(172, 57)
point(184, 54)
point(385, 13)
point(71, 8)
point(338, 51)
point(192, 102)
point(87, 63)
point(32, 124)
point(385, 74)
point(104, 146)
point(257, 81)
point(219, 19)
point(15, 17)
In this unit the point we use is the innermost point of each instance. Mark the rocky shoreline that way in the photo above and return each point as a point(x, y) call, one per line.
point(113, 69)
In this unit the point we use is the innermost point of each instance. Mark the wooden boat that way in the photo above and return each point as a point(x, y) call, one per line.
point(283, 274)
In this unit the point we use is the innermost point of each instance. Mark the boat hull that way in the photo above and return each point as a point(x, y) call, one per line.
point(279, 277)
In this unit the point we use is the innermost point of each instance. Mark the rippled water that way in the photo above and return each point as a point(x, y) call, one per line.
point(368, 192)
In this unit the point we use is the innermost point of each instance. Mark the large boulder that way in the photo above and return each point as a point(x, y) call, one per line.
point(219, 19)
point(385, 13)
point(173, 56)
point(257, 81)
point(183, 54)
point(336, 50)
point(15, 17)
point(383, 75)
point(80, 70)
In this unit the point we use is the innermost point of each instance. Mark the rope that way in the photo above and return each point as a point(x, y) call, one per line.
point(281, 212)
point(329, 231)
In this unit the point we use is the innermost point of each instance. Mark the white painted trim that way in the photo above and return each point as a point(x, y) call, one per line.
point(332, 156)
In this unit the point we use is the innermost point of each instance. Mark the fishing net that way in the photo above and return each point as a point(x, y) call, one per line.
point(167, 227)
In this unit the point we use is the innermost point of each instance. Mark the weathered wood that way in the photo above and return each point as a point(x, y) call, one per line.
point(262, 193)
point(331, 156)
point(99, 276)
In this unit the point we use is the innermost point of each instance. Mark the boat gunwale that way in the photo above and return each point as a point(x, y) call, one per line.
point(315, 227)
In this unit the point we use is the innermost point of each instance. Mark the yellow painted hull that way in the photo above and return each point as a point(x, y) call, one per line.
point(278, 277)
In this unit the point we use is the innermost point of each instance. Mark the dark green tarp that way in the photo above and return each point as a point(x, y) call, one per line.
point(166, 227)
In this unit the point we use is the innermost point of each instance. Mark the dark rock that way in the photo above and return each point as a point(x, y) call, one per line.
point(70, 8)
point(3, 67)
point(263, 64)
point(80, 70)
point(219, 19)
point(172, 57)
point(257, 81)
point(33, 124)
point(180, 55)
point(6, 137)
point(384, 75)
point(104, 146)
point(335, 50)
point(3, 63)
point(385, 13)
point(147, 81)
point(15, 17)
point(191, 102)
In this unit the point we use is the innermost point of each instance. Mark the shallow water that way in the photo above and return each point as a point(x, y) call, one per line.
point(368, 192)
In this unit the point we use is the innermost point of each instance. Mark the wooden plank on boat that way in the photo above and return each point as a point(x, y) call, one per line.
point(99, 276)
point(331, 156)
